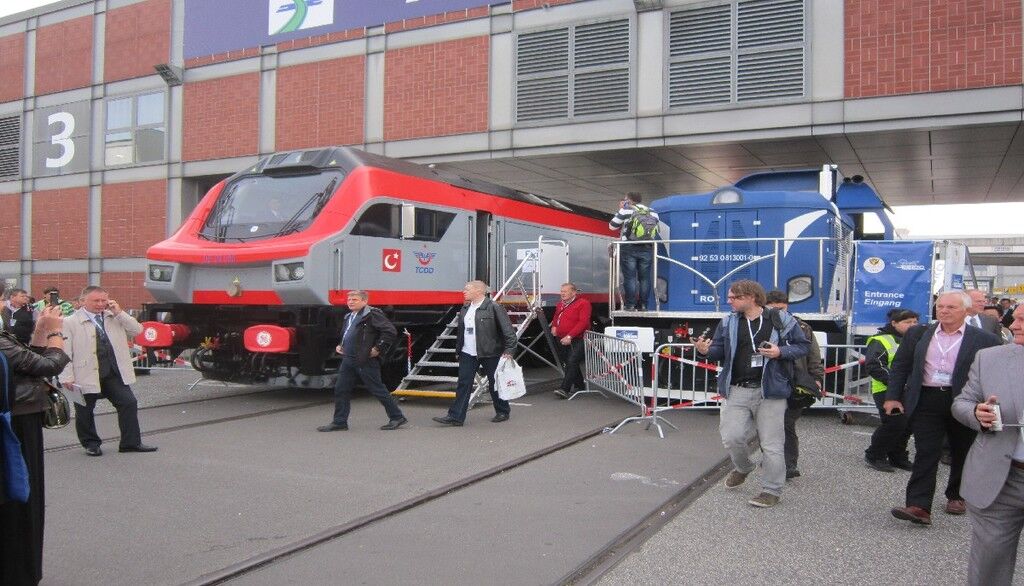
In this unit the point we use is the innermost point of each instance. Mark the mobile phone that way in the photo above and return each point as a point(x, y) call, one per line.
point(764, 345)
point(54, 298)
point(705, 333)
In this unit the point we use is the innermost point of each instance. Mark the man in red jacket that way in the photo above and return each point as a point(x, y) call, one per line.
point(571, 319)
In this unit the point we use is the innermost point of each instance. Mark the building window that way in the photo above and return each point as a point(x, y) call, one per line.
point(384, 220)
point(10, 147)
point(574, 72)
point(136, 130)
point(737, 52)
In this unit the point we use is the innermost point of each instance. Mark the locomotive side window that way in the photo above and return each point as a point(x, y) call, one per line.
point(384, 220)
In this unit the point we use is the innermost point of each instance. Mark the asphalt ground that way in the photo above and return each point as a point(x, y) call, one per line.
point(832, 526)
point(238, 476)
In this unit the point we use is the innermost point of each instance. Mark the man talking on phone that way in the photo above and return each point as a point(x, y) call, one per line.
point(929, 370)
point(97, 342)
point(756, 348)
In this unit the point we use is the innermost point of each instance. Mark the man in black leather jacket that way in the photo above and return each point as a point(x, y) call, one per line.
point(365, 336)
point(485, 336)
point(21, 524)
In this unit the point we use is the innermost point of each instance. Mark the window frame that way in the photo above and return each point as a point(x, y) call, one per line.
point(134, 129)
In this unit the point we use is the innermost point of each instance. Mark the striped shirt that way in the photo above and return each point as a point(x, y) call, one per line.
point(619, 221)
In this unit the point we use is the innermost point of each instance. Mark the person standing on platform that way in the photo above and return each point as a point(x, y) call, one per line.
point(993, 479)
point(806, 368)
point(485, 335)
point(365, 336)
point(635, 221)
point(568, 324)
point(888, 448)
point(928, 372)
point(101, 364)
point(755, 384)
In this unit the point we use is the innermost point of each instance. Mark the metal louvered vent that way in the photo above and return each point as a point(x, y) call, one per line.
point(604, 43)
point(542, 52)
point(542, 98)
point(769, 22)
point(707, 30)
point(700, 82)
point(10, 147)
point(601, 92)
point(770, 74)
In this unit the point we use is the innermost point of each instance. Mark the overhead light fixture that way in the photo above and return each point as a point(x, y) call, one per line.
point(645, 5)
point(171, 75)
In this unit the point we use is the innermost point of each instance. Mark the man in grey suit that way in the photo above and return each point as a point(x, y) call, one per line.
point(993, 478)
point(976, 314)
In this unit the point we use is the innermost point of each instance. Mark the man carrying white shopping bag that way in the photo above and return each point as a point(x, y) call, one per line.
point(509, 379)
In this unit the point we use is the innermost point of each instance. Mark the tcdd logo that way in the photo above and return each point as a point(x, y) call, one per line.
point(391, 260)
point(150, 334)
point(424, 258)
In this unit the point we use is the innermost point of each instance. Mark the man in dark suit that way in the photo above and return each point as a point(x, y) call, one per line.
point(485, 336)
point(993, 483)
point(365, 336)
point(929, 370)
point(976, 314)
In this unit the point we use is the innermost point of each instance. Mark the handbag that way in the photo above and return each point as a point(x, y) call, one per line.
point(15, 472)
point(509, 380)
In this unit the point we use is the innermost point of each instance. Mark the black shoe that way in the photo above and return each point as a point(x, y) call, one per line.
point(333, 427)
point(447, 421)
point(880, 464)
point(394, 424)
point(792, 473)
point(138, 448)
point(902, 463)
point(499, 418)
point(94, 451)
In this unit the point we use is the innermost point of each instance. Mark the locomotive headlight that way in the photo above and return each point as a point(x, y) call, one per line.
point(161, 272)
point(799, 288)
point(291, 271)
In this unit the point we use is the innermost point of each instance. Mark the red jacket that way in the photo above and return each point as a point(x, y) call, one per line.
point(573, 319)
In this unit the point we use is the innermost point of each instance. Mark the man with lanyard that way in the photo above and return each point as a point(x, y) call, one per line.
point(570, 321)
point(366, 335)
point(888, 449)
point(755, 383)
point(928, 372)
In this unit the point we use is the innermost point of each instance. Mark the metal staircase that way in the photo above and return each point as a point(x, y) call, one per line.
point(436, 372)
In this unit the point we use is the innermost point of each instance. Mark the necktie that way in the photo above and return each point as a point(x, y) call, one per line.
point(99, 324)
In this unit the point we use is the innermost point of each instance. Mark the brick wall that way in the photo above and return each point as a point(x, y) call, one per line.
point(137, 37)
point(909, 46)
point(64, 56)
point(70, 284)
point(12, 68)
point(436, 90)
point(133, 217)
point(60, 224)
point(321, 104)
point(221, 117)
point(519, 5)
point(127, 289)
point(10, 226)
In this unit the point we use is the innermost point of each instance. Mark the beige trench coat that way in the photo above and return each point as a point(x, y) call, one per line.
point(81, 347)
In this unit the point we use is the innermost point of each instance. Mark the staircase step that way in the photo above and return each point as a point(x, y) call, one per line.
point(434, 363)
point(420, 393)
point(442, 350)
point(446, 337)
point(431, 378)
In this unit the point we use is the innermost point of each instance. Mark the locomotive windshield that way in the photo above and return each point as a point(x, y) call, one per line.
point(258, 207)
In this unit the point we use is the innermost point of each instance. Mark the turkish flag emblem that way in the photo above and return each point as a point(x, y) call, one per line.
point(391, 260)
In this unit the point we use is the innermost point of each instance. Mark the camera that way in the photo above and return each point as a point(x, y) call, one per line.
point(764, 345)
point(54, 298)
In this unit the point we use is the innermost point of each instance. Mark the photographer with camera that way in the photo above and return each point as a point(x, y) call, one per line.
point(755, 381)
point(635, 221)
point(21, 524)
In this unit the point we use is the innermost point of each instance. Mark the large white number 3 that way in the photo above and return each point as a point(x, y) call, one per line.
point(62, 139)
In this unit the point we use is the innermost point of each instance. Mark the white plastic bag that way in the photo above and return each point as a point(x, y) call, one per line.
point(508, 378)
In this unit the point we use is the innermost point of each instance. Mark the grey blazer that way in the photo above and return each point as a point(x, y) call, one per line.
point(996, 371)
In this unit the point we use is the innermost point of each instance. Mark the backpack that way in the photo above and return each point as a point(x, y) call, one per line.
point(803, 388)
point(642, 225)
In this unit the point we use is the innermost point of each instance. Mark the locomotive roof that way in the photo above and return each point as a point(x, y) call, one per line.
point(749, 199)
point(348, 159)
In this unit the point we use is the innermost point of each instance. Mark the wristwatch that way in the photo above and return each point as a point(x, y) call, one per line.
point(52, 334)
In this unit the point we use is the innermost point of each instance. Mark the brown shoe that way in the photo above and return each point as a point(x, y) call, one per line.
point(956, 507)
point(735, 478)
point(914, 514)
point(764, 500)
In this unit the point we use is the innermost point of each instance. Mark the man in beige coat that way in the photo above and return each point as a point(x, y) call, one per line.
point(97, 342)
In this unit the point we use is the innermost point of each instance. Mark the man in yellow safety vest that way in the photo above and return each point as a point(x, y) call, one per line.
point(888, 449)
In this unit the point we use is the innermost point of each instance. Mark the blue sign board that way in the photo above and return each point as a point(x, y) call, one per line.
point(890, 275)
point(218, 26)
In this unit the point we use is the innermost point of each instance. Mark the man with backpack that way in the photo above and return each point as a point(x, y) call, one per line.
point(636, 222)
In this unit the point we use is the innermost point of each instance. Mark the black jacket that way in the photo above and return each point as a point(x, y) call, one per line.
point(374, 331)
point(907, 373)
point(876, 358)
point(27, 366)
point(494, 332)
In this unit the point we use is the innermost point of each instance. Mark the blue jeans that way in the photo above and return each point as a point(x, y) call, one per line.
point(635, 264)
point(468, 367)
point(369, 373)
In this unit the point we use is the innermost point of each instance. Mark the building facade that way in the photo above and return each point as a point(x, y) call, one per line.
point(117, 115)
